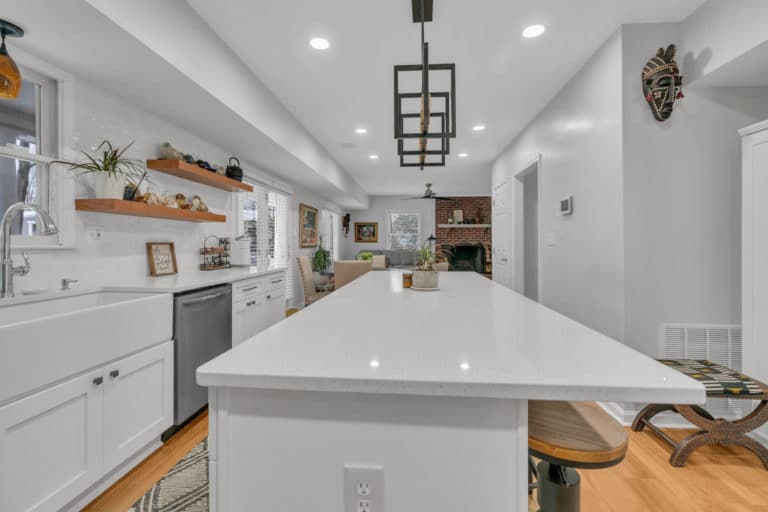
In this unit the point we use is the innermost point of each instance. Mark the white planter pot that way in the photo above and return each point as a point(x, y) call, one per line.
point(106, 186)
point(319, 279)
point(426, 279)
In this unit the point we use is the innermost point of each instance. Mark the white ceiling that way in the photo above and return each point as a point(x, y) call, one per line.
point(503, 80)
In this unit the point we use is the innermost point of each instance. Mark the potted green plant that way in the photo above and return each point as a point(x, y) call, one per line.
point(110, 171)
point(365, 256)
point(425, 275)
point(321, 261)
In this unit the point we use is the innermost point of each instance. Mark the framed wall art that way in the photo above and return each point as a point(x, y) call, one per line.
point(308, 229)
point(366, 232)
point(162, 258)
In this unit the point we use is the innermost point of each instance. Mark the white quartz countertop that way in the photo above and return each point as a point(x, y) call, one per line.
point(472, 338)
point(183, 282)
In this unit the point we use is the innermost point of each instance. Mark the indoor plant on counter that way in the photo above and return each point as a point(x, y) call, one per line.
point(321, 261)
point(111, 172)
point(425, 275)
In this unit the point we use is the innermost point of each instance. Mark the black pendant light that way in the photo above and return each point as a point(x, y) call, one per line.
point(436, 111)
point(10, 77)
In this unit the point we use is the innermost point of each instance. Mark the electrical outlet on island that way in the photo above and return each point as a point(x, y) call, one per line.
point(363, 488)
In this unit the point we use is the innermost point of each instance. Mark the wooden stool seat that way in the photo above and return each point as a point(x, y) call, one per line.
point(575, 434)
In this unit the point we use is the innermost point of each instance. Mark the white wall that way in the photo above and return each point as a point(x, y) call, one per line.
point(379, 206)
point(719, 32)
point(122, 253)
point(682, 197)
point(579, 138)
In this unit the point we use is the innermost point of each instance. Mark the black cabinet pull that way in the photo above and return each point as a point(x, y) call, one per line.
point(114, 374)
point(98, 380)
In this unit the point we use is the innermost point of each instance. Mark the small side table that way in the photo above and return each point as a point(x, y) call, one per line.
point(721, 382)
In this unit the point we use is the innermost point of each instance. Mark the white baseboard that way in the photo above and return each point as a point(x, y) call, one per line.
point(113, 476)
point(625, 414)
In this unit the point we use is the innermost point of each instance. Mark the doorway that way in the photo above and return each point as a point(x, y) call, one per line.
point(527, 231)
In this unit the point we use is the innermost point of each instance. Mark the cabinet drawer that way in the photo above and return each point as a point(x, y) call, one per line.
point(275, 282)
point(246, 289)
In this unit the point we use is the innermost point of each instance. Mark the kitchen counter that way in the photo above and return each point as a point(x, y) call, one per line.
point(472, 338)
point(432, 387)
point(187, 281)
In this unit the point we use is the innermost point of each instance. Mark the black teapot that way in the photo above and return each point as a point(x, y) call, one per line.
point(233, 170)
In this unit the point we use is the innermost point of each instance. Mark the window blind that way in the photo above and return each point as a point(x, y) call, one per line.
point(404, 230)
point(264, 217)
point(330, 233)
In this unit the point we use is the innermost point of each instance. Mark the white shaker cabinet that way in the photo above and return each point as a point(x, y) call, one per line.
point(57, 442)
point(51, 444)
point(138, 402)
point(256, 305)
point(755, 250)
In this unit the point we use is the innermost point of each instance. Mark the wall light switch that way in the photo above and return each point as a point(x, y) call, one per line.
point(551, 238)
point(94, 235)
point(363, 488)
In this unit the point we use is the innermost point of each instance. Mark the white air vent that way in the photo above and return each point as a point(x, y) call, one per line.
point(718, 343)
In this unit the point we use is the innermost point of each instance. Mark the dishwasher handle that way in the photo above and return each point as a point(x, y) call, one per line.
point(203, 299)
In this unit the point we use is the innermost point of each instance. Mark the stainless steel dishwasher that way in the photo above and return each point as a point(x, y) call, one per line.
point(202, 329)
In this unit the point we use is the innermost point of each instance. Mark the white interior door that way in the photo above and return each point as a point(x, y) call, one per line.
point(501, 235)
point(755, 255)
point(50, 445)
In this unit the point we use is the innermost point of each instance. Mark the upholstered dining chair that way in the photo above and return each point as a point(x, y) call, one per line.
point(305, 270)
point(379, 262)
point(347, 271)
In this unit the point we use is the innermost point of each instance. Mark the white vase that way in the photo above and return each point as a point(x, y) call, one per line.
point(426, 279)
point(319, 278)
point(108, 186)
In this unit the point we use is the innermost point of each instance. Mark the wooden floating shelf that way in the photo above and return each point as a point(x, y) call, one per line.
point(137, 209)
point(465, 226)
point(182, 169)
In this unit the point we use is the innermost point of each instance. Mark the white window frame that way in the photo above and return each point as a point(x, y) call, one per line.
point(56, 125)
point(388, 225)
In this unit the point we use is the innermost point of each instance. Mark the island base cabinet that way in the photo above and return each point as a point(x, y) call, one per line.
point(138, 402)
point(436, 453)
point(51, 445)
point(58, 442)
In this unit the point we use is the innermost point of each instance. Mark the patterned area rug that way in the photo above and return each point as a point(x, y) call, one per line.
point(183, 489)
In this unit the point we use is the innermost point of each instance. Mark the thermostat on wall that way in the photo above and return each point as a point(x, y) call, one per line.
point(566, 205)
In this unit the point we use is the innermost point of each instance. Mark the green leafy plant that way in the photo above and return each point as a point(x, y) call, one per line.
point(365, 256)
point(321, 260)
point(425, 257)
point(111, 161)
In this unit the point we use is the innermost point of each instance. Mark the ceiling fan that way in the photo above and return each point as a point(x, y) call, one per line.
point(429, 194)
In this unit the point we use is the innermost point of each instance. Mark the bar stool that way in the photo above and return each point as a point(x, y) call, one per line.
point(567, 436)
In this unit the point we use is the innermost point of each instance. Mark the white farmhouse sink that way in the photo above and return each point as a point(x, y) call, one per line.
point(45, 339)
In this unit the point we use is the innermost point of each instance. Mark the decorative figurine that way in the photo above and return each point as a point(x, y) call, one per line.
point(198, 205)
point(662, 83)
point(345, 223)
point(168, 152)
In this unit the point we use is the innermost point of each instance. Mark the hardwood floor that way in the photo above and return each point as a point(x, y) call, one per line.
point(139, 480)
point(717, 479)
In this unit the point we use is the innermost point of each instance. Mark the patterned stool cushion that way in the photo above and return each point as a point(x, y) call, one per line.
point(717, 379)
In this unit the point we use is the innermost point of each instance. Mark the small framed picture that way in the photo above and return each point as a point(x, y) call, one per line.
point(366, 232)
point(458, 216)
point(162, 258)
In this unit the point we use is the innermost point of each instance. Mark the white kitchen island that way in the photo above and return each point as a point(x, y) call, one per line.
point(431, 387)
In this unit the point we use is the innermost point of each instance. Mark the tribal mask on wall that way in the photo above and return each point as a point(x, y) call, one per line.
point(662, 82)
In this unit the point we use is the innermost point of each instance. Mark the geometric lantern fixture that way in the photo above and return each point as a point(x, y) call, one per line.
point(425, 119)
point(10, 78)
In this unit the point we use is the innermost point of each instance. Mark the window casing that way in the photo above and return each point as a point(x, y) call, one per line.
point(403, 230)
point(28, 145)
point(264, 216)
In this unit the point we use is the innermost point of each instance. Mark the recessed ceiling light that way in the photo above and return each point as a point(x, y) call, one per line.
point(478, 128)
point(373, 157)
point(463, 155)
point(319, 43)
point(534, 31)
point(361, 131)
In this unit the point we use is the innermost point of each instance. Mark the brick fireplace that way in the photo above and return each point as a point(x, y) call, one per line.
point(471, 246)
